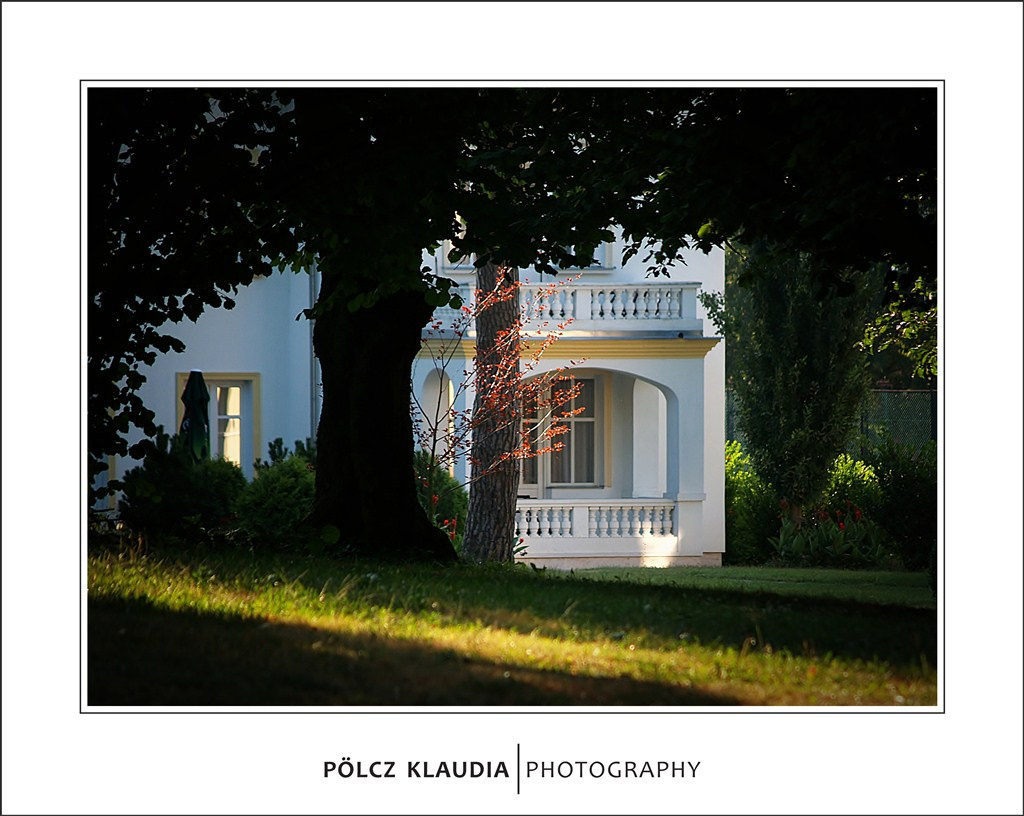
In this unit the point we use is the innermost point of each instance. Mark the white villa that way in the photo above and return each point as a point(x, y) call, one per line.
point(640, 481)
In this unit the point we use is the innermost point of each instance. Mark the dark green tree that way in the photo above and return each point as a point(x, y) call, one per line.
point(799, 374)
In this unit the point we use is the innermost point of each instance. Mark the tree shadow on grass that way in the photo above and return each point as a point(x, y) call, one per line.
point(140, 655)
point(660, 614)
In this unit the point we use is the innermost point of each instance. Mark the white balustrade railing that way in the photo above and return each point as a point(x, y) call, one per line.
point(669, 305)
point(581, 519)
point(676, 300)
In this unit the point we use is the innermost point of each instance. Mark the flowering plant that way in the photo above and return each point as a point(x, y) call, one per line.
point(444, 430)
point(842, 537)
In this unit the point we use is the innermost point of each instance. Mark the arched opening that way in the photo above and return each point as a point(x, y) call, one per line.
point(436, 422)
point(650, 441)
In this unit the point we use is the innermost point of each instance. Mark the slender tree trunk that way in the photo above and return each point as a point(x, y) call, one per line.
point(364, 482)
point(490, 521)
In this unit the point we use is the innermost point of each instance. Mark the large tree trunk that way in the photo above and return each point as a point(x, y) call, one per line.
point(364, 482)
point(490, 521)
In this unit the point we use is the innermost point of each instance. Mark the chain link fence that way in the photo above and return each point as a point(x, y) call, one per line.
point(910, 417)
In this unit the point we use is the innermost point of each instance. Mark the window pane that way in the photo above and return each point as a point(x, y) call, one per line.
point(229, 439)
point(561, 460)
point(560, 403)
point(529, 473)
point(585, 400)
point(229, 400)
point(583, 451)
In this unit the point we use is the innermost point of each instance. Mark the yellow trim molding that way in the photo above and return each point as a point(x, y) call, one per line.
point(575, 348)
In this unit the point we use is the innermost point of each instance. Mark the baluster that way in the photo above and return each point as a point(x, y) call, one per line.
point(518, 523)
point(611, 521)
point(671, 296)
point(591, 522)
point(561, 522)
point(648, 305)
point(531, 522)
point(631, 513)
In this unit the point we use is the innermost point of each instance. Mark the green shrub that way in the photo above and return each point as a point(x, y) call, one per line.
point(852, 483)
point(277, 452)
point(908, 482)
point(170, 497)
point(751, 510)
point(273, 506)
point(443, 499)
point(841, 528)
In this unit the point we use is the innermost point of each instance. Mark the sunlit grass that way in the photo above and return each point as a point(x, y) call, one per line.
point(363, 633)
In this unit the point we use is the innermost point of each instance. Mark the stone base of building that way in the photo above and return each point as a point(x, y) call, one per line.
point(708, 559)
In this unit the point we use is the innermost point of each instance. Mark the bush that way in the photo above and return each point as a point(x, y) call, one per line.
point(277, 452)
point(171, 497)
point(908, 482)
point(852, 483)
point(443, 499)
point(841, 528)
point(272, 507)
point(751, 510)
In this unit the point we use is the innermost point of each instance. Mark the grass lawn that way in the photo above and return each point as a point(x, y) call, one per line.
point(223, 629)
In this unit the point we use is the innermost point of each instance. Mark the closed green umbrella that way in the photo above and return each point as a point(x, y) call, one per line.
point(195, 424)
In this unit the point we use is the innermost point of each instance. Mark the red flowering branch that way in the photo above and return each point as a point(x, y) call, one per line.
point(446, 432)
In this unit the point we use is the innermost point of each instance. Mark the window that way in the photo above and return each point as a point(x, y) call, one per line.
point(227, 429)
point(576, 463)
point(234, 416)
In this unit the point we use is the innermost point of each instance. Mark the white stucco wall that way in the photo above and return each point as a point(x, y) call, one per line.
point(260, 335)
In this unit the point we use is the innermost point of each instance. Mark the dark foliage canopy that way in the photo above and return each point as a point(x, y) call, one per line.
point(194, 192)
